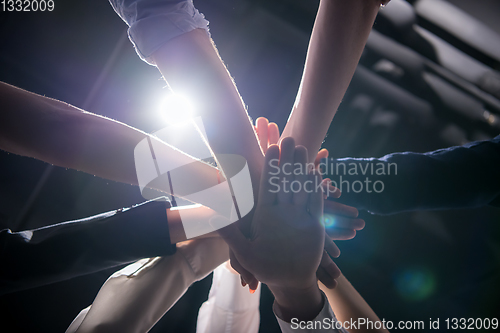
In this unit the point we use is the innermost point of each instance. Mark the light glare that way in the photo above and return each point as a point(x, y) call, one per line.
point(176, 109)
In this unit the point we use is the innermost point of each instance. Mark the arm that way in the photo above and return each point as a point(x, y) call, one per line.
point(59, 252)
point(337, 41)
point(348, 304)
point(133, 299)
point(410, 181)
point(191, 64)
point(63, 135)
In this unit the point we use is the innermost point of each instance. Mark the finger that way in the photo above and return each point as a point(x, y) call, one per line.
point(330, 190)
point(273, 133)
point(336, 208)
point(325, 278)
point(231, 233)
point(341, 233)
point(286, 169)
point(262, 124)
point(329, 267)
point(341, 222)
point(269, 182)
point(253, 285)
point(301, 175)
point(331, 248)
point(316, 196)
point(246, 276)
point(323, 153)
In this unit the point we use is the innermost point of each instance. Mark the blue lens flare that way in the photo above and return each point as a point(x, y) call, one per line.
point(327, 221)
point(415, 284)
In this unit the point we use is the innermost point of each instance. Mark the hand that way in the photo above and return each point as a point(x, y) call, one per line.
point(269, 134)
point(345, 226)
point(340, 220)
point(287, 239)
point(286, 244)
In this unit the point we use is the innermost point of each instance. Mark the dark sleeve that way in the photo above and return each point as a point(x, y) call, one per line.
point(458, 177)
point(66, 250)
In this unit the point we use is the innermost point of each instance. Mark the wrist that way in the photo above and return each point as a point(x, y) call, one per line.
point(301, 303)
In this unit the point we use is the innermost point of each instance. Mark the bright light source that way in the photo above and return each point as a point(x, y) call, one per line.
point(176, 109)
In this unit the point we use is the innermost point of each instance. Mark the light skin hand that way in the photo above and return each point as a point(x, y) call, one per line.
point(286, 246)
point(268, 134)
point(341, 220)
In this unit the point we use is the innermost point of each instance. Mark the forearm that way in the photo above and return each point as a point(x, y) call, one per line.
point(348, 304)
point(47, 255)
point(195, 213)
point(337, 41)
point(61, 134)
point(303, 304)
point(411, 181)
point(191, 66)
point(136, 297)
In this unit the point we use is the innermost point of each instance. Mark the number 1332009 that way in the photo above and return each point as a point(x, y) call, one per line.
point(471, 323)
point(27, 5)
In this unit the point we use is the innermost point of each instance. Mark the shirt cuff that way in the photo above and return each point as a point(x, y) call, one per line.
point(153, 23)
point(325, 321)
point(143, 230)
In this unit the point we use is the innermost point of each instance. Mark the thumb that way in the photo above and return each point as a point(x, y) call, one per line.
point(230, 232)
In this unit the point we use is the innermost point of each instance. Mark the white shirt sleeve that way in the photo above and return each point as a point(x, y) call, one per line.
point(230, 308)
point(152, 23)
point(324, 322)
point(133, 299)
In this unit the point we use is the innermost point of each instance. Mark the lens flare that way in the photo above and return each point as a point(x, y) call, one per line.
point(328, 221)
point(415, 284)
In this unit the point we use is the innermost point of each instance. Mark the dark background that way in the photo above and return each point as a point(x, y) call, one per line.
point(411, 266)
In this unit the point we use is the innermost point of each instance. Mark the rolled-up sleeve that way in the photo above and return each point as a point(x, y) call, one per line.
point(152, 23)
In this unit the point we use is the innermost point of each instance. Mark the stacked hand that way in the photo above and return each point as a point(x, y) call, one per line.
point(287, 241)
point(341, 221)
